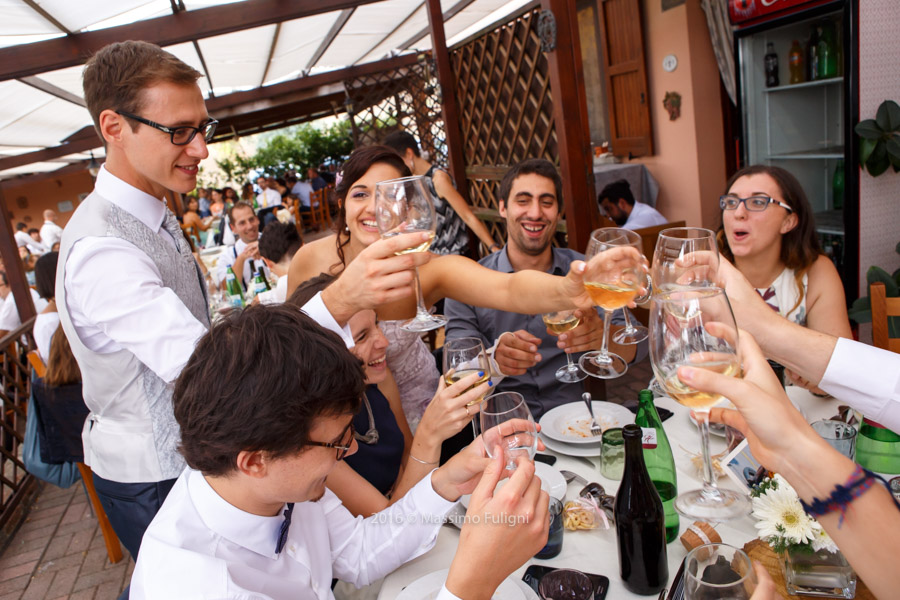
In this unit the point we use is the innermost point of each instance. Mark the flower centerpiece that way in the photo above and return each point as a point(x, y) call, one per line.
point(811, 561)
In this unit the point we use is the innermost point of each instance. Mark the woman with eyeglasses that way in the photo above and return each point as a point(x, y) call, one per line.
point(389, 460)
point(769, 233)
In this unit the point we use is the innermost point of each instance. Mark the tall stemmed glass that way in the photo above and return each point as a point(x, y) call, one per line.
point(695, 327)
point(685, 257)
point(463, 357)
point(611, 284)
point(405, 206)
point(560, 322)
point(633, 334)
point(506, 422)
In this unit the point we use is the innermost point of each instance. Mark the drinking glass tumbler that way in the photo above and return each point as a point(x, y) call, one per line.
point(612, 453)
point(839, 435)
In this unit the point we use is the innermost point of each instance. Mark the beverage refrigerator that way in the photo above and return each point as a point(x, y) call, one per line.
point(798, 98)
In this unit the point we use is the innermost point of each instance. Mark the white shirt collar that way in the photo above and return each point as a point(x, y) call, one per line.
point(147, 209)
point(253, 532)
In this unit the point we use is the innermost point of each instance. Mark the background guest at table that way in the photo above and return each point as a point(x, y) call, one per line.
point(217, 204)
point(454, 213)
point(203, 201)
point(277, 246)
point(316, 181)
point(192, 218)
point(865, 377)
point(301, 191)
point(229, 196)
point(390, 460)
point(24, 240)
point(9, 311)
point(243, 257)
point(267, 196)
point(47, 321)
point(865, 526)
point(251, 516)
point(619, 204)
point(441, 276)
point(769, 233)
point(526, 353)
point(50, 231)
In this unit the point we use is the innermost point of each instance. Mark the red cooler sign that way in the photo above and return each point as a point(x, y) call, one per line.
point(752, 12)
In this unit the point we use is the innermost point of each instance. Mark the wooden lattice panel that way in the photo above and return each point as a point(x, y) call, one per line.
point(406, 98)
point(503, 90)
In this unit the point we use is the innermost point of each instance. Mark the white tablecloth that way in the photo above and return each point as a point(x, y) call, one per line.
point(595, 551)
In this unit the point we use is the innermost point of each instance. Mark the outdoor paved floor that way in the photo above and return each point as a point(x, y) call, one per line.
point(59, 554)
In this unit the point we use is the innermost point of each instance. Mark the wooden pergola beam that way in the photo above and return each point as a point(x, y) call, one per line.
point(329, 37)
point(449, 106)
point(451, 12)
point(50, 55)
point(53, 90)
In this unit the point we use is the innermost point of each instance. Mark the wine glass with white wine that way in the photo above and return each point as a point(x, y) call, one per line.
point(463, 357)
point(560, 322)
point(695, 327)
point(612, 283)
point(405, 206)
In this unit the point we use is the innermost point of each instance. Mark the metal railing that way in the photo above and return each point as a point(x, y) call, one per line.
point(15, 377)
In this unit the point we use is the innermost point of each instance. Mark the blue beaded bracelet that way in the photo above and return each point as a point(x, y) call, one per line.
point(842, 495)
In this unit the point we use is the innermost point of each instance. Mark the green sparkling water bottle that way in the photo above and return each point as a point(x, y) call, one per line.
point(659, 460)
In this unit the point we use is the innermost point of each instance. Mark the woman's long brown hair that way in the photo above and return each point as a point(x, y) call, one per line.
point(62, 368)
point(360, 161)
point(800, 246)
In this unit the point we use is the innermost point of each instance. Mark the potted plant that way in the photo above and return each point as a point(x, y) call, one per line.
point(861, 309)
point(810, 560)
point(879, 145)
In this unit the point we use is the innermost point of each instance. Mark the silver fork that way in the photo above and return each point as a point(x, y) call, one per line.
point(595, 429)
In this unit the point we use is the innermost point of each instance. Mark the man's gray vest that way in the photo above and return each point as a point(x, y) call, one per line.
point(131, 435)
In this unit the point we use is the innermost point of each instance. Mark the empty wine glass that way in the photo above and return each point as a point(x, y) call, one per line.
point(405, 206)
point(695, 327)
point(463, 357)
point(684, 257)
point(506, 422)
point(559, 322)
point(611, 283)
point(715, 571)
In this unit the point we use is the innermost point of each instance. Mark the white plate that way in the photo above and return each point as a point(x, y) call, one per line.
point(585, 450)
point(571, 423)
point(428, 586)
point(552, 482)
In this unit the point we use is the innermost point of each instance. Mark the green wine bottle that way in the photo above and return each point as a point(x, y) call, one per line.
point(233, 289)
point(659, 459)
point(259, 283)
point(878, 448)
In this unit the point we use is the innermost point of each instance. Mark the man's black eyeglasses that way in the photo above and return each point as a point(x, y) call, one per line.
point(181, 136)
point(752, 203)
point(341, 449)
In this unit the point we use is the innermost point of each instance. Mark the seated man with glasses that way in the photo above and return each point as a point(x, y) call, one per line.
point(768, 232)
point(265, 407)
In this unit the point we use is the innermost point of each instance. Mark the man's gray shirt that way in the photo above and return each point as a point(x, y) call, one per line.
point(538, 384)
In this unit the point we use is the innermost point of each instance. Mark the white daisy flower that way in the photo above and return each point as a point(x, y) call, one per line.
point(822, 541)
point(780, 514)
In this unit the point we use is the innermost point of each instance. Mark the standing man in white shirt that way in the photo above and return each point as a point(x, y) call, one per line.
point(243, 258)
point(50, 231)
point(24, 240)
point(251, 516)
point(618, 202)
point(267, 196)
point(130, 295)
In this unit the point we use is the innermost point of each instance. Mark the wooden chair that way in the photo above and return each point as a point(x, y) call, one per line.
point(113, 546)
point(318, 215)
point(882, 309)
point(648, 240)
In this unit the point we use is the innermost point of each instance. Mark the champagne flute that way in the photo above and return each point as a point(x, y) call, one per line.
point(463, 357)
point(559, 322)
point(611, 284)
point(404, 206)
point(506, 422)
point(685, 257)
point(695, 327)
point(718, 571)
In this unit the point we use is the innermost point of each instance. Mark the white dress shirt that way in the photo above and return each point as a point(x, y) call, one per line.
point(276, 296)
point(230, 255)
point(9, 312)
point(200, 546)
point(23, 239)
point(643, 215)
point(50, 233)
point(45, 325)
point(867, 378)
point(268, 197)
point(115, 295)
point(302, 189)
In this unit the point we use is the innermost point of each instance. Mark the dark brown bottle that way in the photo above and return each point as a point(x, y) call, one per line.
point(640, 523)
